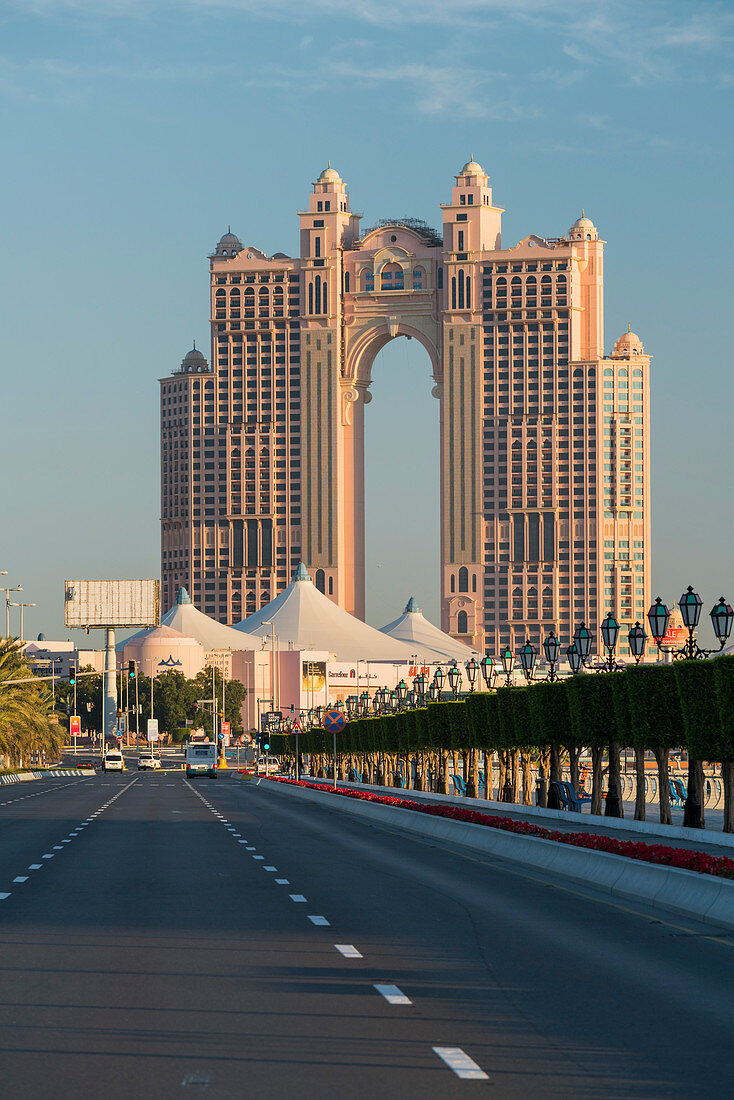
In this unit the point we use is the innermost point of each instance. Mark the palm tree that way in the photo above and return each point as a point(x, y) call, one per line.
point(25, 727)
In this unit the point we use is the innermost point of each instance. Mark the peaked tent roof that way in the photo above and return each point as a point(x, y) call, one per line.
point(425, 639)
point(305, 618)
point(188, 620)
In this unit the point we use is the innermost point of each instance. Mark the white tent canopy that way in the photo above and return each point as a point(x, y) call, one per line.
point(188, 620)
point(304, 618)
point(426, 640)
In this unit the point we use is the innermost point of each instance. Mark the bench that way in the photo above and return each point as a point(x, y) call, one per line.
point(459, 785)
point(569, 798)
point(678, 792)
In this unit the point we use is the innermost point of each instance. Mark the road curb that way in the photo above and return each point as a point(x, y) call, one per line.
point(688, 893)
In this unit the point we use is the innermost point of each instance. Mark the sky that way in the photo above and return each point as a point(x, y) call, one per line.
point(134, 131)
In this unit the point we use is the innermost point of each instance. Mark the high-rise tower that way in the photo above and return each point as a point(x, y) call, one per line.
point(544, 496)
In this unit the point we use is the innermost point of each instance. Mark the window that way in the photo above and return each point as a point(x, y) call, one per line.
point(369, 280)
point(392, 277)
point(331, 586)
point(463, 580)
point(346, 282)
point(317, 246)
point(461, 240)
point(320, 580)
point(418, 278)
point(462, 623)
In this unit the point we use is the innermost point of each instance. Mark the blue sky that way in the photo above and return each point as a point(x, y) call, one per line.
point(134, 131)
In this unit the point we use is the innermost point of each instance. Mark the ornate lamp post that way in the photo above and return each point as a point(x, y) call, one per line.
point(637, 638)
point(472, 668)
point(690, 603)
point(402, 694)
point(455, 680)
point(488, 670)
point(609, 635)
point(574, 658)
point(582, 640)
point(508, 663)
point(364, 703)
point(433, 692)
point(527, 660)
point(438, 678)
point(552, 649)
point(419, 686)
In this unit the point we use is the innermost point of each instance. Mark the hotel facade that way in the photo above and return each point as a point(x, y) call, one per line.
point(544, 441)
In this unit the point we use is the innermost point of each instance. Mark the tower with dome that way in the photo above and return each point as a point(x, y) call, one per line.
point(544, 436)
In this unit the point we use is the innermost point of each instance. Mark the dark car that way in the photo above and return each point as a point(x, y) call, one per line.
point(86, 764)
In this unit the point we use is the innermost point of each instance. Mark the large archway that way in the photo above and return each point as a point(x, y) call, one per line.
point(402, 483)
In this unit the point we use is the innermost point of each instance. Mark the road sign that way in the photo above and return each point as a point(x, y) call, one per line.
point(296, 727)
point(152, 729)
point(75, 726)
point(270, 719)
point(225, 729)
point(333, 721)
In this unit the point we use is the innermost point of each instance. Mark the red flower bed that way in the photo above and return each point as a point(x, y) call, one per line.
point(684, 858)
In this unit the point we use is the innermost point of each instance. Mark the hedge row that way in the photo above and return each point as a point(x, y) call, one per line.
point(651, 707)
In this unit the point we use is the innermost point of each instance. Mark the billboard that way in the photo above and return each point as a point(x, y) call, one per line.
point(75, 725)
point(152, 731)
point(112, 603)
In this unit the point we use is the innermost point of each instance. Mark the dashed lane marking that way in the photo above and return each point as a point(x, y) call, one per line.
point(4, 896)
point(321, 921)
point(460, 1062)
point(296, 897)
point(35, 866)
point(348, 950)
point(270, 868)
point(258, 857)
point(282, 881)
point(393, 995)
point(21, 878)
point(47, 855)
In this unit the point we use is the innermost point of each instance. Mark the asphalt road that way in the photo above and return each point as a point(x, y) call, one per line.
point(165, 939)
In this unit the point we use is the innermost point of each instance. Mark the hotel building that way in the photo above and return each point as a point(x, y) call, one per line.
point(544, 440)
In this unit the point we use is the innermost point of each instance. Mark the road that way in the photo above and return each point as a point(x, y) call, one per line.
point(166, 939)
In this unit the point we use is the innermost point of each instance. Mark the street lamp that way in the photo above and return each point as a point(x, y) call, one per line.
point(438, 678)
point(527, 659)
point(690, 603)
point(472, 668)
point(488, 670)
point(508, 663)
point(432, 692)
point(552, 649)
point(582, 639)
point(455, 680)
point(18, 588)
point(574, 658)
point(419, 685)
point(21, 606)
point(402, 693)
point(609, 635)
point(637, 638)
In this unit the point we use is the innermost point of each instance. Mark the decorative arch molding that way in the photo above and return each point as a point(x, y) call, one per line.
point(362, 353)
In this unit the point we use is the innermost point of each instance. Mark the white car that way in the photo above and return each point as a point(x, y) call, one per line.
point(113, 761)
point(147, 760)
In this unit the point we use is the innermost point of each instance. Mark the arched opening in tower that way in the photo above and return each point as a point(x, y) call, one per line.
point(402, 484)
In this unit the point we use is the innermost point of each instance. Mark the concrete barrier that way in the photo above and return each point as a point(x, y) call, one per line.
point(56, 773)
point(688, 893)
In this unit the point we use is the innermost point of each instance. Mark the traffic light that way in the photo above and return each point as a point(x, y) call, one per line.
point(266, 745)
point(72, 675)
point(131, 670)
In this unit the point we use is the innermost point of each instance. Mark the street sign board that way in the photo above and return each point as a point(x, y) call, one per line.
point(152, 729)
point(226, 729)
point(270, 719)
point(75, 725)
point(333, 721)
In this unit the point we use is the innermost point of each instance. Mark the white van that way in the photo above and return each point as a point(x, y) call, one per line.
point(201, 759)
point(113, 761)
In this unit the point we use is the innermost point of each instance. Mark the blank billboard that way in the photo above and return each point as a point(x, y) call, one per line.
point(112, 603)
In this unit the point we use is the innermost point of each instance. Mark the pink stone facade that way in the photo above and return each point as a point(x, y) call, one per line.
point(544, 441)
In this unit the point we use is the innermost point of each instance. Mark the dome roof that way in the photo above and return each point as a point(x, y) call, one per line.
point(583, 227)
point(583, 223)
point(229, 244)
point(163, 634)
point(329, 175)
point(230, 239)
point(471, 168)
point(193, 358)
point(426, 641)
point(628, 344)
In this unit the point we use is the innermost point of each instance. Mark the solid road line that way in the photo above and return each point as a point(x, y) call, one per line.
point(460, 1062)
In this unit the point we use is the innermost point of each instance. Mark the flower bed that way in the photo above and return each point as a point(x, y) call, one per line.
point(684, 858)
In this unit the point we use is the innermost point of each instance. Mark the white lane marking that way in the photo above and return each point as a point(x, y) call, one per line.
point(48, 855)
point(252, 848)
point(393, 995)
point(258, 857)
point(66, 842)
point(245, 842)
point(270, 868)
point(58, 848)
point(4, 896)
point(296, 897)
point(21, 878)
point(282, 881)
point(460, 1062)
point(348, 950)
point(238, 834)
point(318, 920)
point(35, 866)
